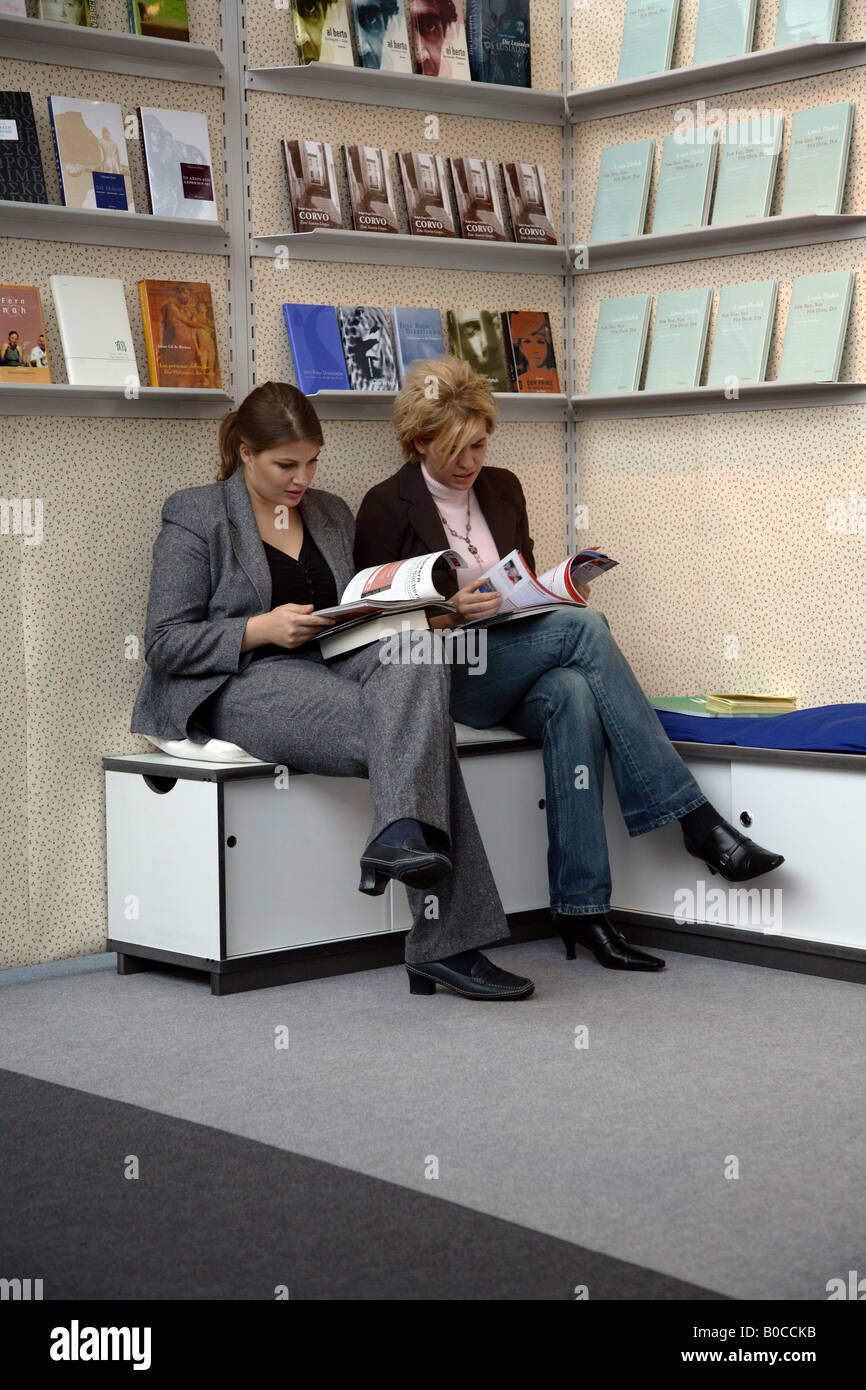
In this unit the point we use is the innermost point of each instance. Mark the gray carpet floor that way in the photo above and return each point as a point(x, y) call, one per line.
point(620, 1147)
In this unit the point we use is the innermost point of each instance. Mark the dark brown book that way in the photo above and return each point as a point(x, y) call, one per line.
point(313, 190)
point(371, 193)
point(528, 204)
point(478, 204)
point(425, 188)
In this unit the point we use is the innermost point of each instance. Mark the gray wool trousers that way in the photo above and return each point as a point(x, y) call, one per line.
point(358, 716)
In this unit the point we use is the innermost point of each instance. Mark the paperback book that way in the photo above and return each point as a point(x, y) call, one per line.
point(22, 179)
point(381, 35)
point(622, 190)
point(748, 161)
point(478, 205)
point(317, 349)
point(179, 333)
point(818, 158)
point(725, 28)
point(528, 204)
point(500, 48)
point(417, 336)
point(67, 11)
point(159, 19)
point(816, 326)
point(313, 191)
point(744, 328)
point(94, 330)
point(531, 355)
point(90, 148)
point(439, 36)
point(322, 32)
point(23, 353)
point(371, 193)
point(685, 188)
point(647, 38)
point(798, 21)
point(620, 344)
point(367, 348)
point(375, 596)
point(178, 172)
point(13, 7)
point(475, 336)
point(679, 340)
point(425, 189)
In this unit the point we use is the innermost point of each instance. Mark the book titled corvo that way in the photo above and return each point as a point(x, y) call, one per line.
point(159, 19)
point(685, 186)
point(478, 205)
point(322, 32)
point(371, 193)
point(367, 348)
point(798, 21)
point(679, 340)
point(313, 190)
point(528, 204)
point(647, 38)
point(816, 326)
point(94, 330)
point(725, 28)
point(177, 163)
point(90, 148)
point(475, 336)
point(439, 36)
point(744, 327)
point(23, 352)
point(417, 336)
point(500, 46)
point(180, 334)
point(22, 178)
point(314, 335)
point(381, 35)
point(622, 190)
point(620, 344)
point(818, 158)
point(425, 188)
point(531, 354)
point(748, 161)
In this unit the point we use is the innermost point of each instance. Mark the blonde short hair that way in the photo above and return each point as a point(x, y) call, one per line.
point(447, 416)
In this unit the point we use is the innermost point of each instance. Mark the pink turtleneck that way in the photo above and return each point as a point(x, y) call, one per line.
point(451, 505)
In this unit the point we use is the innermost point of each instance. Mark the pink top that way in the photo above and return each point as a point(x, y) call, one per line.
point(451, 505)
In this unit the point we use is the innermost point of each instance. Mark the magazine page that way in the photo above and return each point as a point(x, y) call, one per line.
point(400, 581)
point(582, 568)
point(514, 580)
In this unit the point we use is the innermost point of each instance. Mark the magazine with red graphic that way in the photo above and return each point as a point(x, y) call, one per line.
point(524, 595)
point(407, 587)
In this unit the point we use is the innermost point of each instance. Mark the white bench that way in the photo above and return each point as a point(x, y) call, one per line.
point(218, 864)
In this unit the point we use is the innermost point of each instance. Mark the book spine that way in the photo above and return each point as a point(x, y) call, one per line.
point(475, 39)
point(56, 152)
point(152, 365)
point(134, 17)
point(144, 160)
point(287, 158)
point(510, 361)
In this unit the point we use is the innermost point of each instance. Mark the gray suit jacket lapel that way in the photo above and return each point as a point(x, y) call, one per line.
point(334, 541)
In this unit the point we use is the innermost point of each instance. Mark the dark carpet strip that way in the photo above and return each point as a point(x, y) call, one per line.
point(215, 1216)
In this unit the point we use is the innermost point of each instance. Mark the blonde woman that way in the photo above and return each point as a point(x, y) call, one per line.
point(559, 677)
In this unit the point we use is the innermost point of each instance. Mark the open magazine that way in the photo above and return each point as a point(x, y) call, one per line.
point(407, 587)
point(524, 595)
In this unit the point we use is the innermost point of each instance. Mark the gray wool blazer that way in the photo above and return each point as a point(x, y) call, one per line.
point(210, 575)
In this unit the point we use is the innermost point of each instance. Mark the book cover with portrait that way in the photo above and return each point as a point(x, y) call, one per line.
point(367, 347)
point(381, 35)
point(475, 335)
point(179, 333)
point(371, 193)
point(531, 356)
point(528, 204)
point(322, 32)
point(90, 148)
point(439, 37)
point(177, 163)
point(23, 353)
point(500, 47)
point(425, 188)
point(478, 204)
point(313, 191)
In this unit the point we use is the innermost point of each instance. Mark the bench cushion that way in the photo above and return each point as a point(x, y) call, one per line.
point(827, 728)
point(218, 751)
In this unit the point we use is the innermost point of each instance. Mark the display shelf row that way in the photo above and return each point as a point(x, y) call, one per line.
point(108, 227)
point(147, 402)
point(109, 50)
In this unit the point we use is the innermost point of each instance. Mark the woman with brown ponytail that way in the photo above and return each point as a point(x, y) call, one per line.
point(239, 568)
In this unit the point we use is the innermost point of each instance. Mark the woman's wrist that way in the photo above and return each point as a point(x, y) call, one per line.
point(256, 632)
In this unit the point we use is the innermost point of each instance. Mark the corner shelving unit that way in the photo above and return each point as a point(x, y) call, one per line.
point(396, 248)
point(108, 50)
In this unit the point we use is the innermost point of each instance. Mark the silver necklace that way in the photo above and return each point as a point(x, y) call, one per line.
point(472, 549)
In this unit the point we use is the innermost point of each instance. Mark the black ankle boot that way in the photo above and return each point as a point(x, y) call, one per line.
point(601, 937)
point(725, 851)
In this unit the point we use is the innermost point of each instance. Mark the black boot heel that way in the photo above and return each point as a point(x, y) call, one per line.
point(608, 945)
point(372, 882)
point(568, 943)
point(419, 984)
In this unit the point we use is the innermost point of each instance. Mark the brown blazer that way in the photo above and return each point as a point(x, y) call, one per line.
point(398, 519)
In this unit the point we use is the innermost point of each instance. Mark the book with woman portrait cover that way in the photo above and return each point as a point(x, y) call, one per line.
point(375, 596)
point(528, 204)
point(179, 333)
point(531, 355)
point(425, 188)
point(371, 193)
point(90, 147)
point(23, 354)
point(478, 205)
point(313, 191)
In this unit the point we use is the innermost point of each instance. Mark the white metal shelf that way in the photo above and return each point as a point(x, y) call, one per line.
point(450, 95)
point(396, 248)
point(702, 400)
point(759, 69)
point(152, 402)
point(108, 50)
point(377, 405)
point(110, 227)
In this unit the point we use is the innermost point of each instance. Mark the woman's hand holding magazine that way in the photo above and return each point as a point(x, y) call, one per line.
point(375, 596)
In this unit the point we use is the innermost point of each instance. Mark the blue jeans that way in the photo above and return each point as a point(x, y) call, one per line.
point(562, 678)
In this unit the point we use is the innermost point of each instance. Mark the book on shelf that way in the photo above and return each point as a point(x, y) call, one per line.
point(685, 188)
point(679, 340)
point(417, 336)
point(531, 355)
point(178, 171)
point(744, 328)
point(620, 344)
point(816, 326)
point(524, 595)
point(748, 161)
point(317, 348)
point(90, 149)
point(381, 35)
point(475, 336)
point(403, 589)
point(180, 334)
point(313, 191)
point(22, 178)
point(725, 29)
point(322, 32)
point(798, 21)
point(371, 193)
point(751, 704)
point(622, 190)
point(500, 44)
point(13, 7)
point(699, 705)
point(23, 352)
point(439, 37)
point(159, 19)
point(478, 204)
point(425, 188)
point(367, 348)
point(818, 158)
point(67, 12)
point(94, 330)
point(648, 36)
point(528, 204)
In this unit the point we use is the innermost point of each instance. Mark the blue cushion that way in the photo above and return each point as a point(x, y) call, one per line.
point(828, 728)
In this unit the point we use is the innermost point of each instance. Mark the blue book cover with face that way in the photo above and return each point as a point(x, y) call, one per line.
point(417, 335)
point(314, 334)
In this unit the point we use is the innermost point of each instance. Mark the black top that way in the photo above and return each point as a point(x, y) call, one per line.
point(306, 580)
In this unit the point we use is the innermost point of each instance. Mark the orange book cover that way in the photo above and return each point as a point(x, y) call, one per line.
point(23, 354)
point(180, 333)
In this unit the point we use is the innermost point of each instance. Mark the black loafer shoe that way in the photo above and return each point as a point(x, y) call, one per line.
point(725, 851)
point(483, 981)
point(608, 945)
point(413, 862)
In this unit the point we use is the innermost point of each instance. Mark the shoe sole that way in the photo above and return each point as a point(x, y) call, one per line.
point(465, 994)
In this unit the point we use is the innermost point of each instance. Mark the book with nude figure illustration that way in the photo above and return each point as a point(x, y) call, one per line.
point(524, 595)
point(179, 333)
point(376, 595)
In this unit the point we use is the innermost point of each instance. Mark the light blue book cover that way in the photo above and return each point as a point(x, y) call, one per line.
point(744, 326)
point(818, 158)
point(725, 29)
point(647, 38)
point(685, 182)
point(620, 342)
point(679, 340)
point(817, 322)
point(748, 161)
point(417, 334)
point(799, 21)
point(621, 193)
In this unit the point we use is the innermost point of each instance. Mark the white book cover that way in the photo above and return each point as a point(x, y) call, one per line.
point(177, 163)
point(92, 162)
point(94, 330)
point(13, 7)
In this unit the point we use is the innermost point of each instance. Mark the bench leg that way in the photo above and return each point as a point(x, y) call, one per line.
point(130, 965)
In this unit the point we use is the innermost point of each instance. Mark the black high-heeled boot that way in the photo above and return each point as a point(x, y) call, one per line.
point(601, 937)
point(725, 851)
